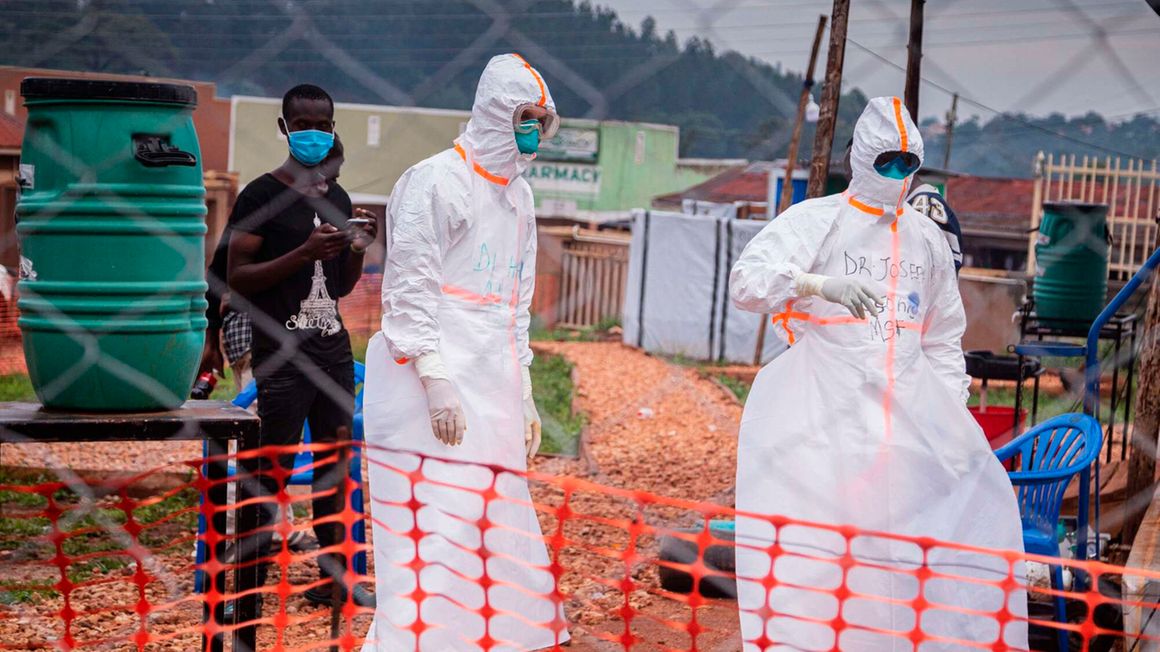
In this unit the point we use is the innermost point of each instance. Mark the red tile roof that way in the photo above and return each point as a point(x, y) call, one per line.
point(991, 204)
point(748, 183)
point(1004, 205)
point(11, 132)
point(980, 203)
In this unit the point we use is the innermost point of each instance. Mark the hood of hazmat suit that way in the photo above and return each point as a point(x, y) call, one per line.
point(458, 281)
point(861, 426)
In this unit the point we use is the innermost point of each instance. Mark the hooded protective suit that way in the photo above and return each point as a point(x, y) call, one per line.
point(461, 251)
point(863, 423)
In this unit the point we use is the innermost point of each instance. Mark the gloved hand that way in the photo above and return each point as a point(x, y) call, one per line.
point(860, 297)
point(447, 421)
point(532, 424)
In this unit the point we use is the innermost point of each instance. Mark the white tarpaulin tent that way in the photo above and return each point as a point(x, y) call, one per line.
point(677, 302)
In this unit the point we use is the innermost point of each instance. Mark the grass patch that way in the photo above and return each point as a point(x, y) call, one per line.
point(1049, 406)
point(24, 534)
point(16, 387)
point(300, 510)
point(567, 335)
point(23, 595)
point(96, 534)
point(739, 387)
point(601, 332)
point(682, 360)
point(168, 506)
point(20, 499)
point(14, 530)
point(607, 324)
point(226, 388)
point(553, 390)
point(358, 345)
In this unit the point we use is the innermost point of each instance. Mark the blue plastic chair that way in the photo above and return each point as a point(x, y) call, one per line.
point(304, 460)
point(1050, 455)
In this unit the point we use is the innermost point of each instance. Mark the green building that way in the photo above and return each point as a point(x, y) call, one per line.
point(591, 171)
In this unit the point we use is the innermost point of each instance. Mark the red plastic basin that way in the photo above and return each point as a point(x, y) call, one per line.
point(998, 424)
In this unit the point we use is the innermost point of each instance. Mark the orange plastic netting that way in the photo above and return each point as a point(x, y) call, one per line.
point(110, 565)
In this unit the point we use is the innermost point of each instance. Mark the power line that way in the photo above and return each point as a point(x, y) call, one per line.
point(1003, 114)
point(1132, 114)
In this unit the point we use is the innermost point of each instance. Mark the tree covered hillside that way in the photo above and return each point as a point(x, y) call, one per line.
point(430, 53)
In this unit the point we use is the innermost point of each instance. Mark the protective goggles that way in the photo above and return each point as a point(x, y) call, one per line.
point(897, 165)
point(548, 125)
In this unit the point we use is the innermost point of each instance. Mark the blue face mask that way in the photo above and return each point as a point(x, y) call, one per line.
point(310, 146)
point(895, 168)
point(528, 136)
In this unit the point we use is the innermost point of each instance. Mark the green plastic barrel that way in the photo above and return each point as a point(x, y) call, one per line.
point(1071, 257)
point(112, 218)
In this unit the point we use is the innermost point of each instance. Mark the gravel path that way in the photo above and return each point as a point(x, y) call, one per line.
point(652, 425)
point(655, 427)
point(134, 457)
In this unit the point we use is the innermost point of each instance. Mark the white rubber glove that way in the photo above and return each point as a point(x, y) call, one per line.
point(447, 421)
point(532, 424)
point(860, 297)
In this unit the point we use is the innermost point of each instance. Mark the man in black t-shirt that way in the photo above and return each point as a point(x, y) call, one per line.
point(293, 253)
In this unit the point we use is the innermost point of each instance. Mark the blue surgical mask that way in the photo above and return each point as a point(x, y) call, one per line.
point(310, 146)
point(896, 168)
point(528, 136)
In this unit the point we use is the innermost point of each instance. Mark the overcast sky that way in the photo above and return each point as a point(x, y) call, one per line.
point(1034, 56)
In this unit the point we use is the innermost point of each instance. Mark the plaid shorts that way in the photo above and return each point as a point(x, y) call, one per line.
point(237, 334)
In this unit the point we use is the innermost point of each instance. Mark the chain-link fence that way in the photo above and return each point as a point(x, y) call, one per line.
point(129, 546)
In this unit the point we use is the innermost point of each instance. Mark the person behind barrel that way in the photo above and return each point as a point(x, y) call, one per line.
point(292, 255)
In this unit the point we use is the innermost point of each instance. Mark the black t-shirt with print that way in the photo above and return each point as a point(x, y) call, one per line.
point(301, 312)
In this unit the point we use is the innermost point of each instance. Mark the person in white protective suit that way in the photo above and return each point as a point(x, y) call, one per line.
point(862, 423)
point(448, 399)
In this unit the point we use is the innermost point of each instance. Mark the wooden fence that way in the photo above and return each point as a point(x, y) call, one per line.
point(593, 277)
point(1128, 186)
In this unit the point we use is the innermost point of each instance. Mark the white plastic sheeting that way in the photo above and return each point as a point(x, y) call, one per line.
point(738, 340)
point(677, 300)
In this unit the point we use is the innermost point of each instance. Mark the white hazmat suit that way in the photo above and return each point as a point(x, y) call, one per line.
point(863, 423)
point(461, 251)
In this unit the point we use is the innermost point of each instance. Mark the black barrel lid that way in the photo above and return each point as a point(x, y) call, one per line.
point(1075, 204)
point(60, 88)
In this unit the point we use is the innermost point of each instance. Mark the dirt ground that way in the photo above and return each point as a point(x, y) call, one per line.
point(652, 427)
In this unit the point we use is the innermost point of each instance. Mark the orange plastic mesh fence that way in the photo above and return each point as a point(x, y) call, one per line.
point(110, 565)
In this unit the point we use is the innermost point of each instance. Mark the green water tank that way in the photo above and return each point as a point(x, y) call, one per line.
point(1071, 259)
point(112, 218)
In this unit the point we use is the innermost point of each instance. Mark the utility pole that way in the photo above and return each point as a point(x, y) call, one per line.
point(831, 93)
point(914, 59)
point(791, 161)
point(795, 140)
point(952, 115)
point(1142, 456)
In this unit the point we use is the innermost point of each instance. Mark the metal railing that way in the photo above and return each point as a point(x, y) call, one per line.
point(1128, 186)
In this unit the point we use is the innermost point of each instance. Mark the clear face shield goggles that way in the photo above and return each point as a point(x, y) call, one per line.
point(548, 125)
point(896, 165)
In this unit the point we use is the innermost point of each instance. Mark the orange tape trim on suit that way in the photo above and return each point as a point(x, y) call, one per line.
point(790, 314)
point(784, 318)
point(471, 297)
point(482, 171)
point(870, 210)
point(891, 298)
point(543, 91)
point(902, 196)
point(901, 124)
